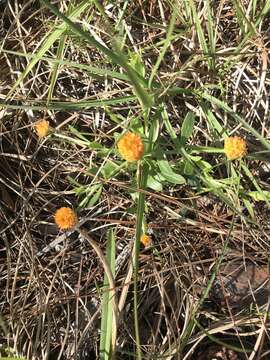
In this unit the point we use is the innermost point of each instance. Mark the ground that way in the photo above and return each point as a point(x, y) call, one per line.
point(186, 77)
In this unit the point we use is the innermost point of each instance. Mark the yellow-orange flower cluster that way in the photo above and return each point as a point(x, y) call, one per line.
point(65, 218)
point(235, 147)
point(146, 240)
point(131, 147)
point(42, 128)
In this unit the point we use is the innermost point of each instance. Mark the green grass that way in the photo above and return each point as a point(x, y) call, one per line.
point(184, 75)
point(106, 326)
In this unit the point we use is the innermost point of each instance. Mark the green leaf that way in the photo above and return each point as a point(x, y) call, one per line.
point(67, 105)
point(154, 183)
point(169, 174)
point(262, 195)
point(204, 165)
point(249, 207)
point(154, 131)
point(168, 125)
point(91, 144)
point(93, 200)
point(111, 169)
point(91, 194)
point(214, 125)
point(137, 64)
point(188, 168)
point(187, 127)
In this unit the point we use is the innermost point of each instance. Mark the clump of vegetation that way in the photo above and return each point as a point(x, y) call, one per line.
point(134, 180)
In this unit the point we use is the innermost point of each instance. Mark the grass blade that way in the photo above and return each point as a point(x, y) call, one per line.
point(199, 30)
point(120, 59)
point(93, 71)
point(211, 33)
point(54, 74)
point(49, 41)
point(165, 47)
point(62, 105)
point(106, 304)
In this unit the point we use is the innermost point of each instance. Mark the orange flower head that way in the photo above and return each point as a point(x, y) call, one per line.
point(42, 128)
point(235, 147)
point(146, 240)
point(65, 218)
point(131, 147)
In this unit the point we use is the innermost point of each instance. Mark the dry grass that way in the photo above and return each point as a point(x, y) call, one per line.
point(51, 282)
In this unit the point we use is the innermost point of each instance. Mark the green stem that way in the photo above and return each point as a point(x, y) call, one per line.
point(142, 179)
